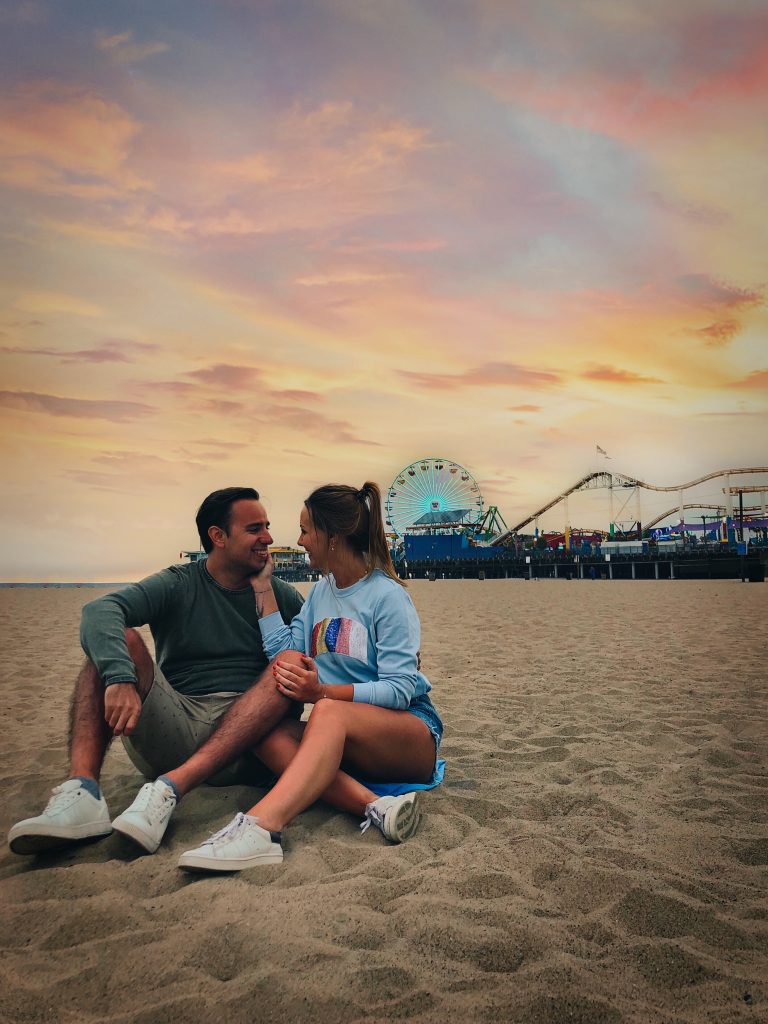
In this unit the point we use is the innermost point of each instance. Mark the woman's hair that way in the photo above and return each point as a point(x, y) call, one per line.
point(356, 516)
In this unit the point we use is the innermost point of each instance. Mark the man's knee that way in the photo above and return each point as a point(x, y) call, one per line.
point(142, 659)
point(136, 646)
point(290, 658)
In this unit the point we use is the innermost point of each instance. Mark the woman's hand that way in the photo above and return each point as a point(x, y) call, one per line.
point(297, 682)
point(262, 580)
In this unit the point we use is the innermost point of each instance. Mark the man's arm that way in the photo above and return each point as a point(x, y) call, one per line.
point(104, 621)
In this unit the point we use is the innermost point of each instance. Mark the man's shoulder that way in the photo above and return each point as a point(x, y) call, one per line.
point(173, 575)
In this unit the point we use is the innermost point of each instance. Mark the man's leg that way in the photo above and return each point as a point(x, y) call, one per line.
point(247, 722)
point(77, 810)
point(89, 734)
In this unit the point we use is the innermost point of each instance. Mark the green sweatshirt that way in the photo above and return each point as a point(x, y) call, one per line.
point(207, 638)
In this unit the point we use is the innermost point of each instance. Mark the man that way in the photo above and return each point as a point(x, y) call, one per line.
point(198, 705)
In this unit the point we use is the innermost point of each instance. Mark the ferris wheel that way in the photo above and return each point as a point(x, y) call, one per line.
point(433, 492)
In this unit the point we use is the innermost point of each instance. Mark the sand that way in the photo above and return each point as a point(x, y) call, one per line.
point(598, 852)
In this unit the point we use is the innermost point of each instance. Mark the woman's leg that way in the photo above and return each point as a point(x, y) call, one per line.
point(281, 746)
point(380, 742)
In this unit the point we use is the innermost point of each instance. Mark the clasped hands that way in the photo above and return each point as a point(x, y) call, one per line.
point(298, 682)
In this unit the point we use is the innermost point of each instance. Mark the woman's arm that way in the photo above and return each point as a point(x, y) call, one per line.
point(397, 634)
point(275, 635)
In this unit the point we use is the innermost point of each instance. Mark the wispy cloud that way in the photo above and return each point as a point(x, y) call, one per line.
point(63, 141)
point(718, 334)
point(488, 375)
point(706, 291)
point(755, 381)
point(78, 408)
point(227, 376)
point(615, 375)
point(109, 352)
point(124, 49)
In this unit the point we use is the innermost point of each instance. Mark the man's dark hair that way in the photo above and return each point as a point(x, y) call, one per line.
point(216, 510)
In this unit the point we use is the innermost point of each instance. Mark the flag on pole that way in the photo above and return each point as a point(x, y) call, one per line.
point(602, 451)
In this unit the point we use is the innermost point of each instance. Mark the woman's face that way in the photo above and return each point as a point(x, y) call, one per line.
point(314, 541)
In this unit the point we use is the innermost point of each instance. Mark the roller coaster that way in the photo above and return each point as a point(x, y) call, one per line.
point(619, 481)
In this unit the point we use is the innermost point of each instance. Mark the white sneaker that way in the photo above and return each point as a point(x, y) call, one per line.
point(71, 814)
point(241, 844)
point(146, 820)
point(397, 816)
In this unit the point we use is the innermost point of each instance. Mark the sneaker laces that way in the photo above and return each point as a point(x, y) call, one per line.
point(239, 821)
point(373, 816)
point(153, 801)
point(61, 797)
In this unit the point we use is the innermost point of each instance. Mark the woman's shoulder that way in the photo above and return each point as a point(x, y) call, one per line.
point(385, 587)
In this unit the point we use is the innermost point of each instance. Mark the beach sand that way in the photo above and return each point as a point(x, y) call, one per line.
point(597, 853)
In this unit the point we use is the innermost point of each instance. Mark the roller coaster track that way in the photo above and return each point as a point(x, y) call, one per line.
point(604, 479)
point(718, 510)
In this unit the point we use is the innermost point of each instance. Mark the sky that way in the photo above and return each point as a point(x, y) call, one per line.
point(278, 243)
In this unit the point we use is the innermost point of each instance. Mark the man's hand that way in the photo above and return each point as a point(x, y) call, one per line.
point(297, 683)
point(122, 707)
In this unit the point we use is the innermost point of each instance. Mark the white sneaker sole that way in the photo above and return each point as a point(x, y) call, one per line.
point(199, 862)
point(131, 830)
point(28, 839)
point(405, 821)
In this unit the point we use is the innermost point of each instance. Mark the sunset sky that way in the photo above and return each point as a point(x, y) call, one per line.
point(279, 243)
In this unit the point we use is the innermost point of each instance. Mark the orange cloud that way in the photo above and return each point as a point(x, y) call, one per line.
point(525, 408)
point(224, 375)
point(757, 380)
point(487, 375)
point(612, 375)
point(79, 408)
point(61, 141)
point(718, 334)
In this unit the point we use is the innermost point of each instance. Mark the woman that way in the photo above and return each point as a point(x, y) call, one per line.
point(353, 652)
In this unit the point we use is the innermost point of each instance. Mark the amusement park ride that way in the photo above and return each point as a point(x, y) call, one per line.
point(434, 509)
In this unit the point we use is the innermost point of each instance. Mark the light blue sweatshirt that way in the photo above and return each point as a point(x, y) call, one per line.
point(367, 634)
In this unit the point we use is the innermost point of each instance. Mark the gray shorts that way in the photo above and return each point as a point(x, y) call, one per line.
point(172, 726)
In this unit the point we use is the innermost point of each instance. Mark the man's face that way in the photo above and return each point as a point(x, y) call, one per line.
point(248, 539)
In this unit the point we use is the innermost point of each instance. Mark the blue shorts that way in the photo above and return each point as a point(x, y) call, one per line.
point(424, 709)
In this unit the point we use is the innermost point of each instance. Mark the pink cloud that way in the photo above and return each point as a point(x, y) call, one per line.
point(79, 408)
point(225, 375)
point(718, 334)
point(63, 141)
point(363, 245)
point(295, 395)
point(316, 424)
point(703, 289)
point(629, 104)
point(109, 352)
point(487, 375)
point(613, 375)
